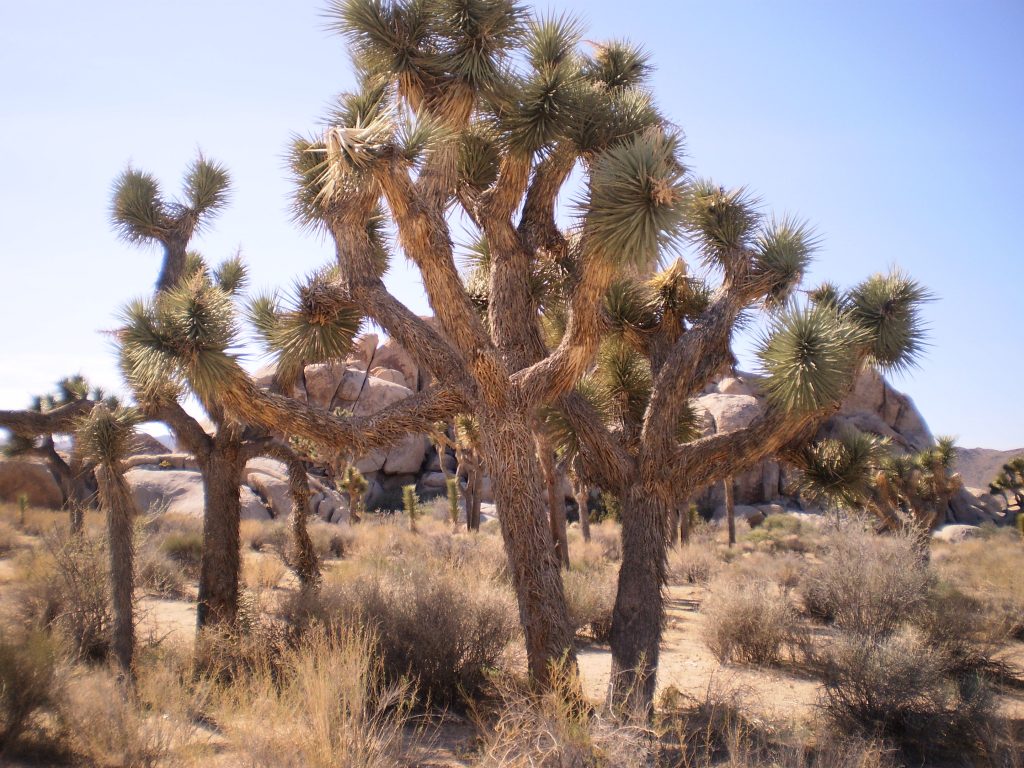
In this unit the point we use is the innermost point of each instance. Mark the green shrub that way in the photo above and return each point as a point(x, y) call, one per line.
point(28, 674)
point(185, 547)
point(158, 573)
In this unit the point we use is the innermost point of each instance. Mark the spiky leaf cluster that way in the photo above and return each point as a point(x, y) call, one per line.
point(841, 471)
point(182, 336)
point(106, 436)
point(141, 213)
point(723, 221)
point(782, 253)
point(317, 323)
point(634, 201)
point(889, 308)
point(809, 355)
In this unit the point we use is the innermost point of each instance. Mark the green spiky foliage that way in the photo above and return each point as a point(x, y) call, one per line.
point(863, 472)
point(411, 505)
point(1010, 482)
point(354, 486)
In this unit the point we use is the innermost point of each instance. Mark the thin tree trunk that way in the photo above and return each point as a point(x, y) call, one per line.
point(556, 502)
point(304, 559)
point(684, 523)
point(583, 502)
point(519, 494)
point(730, 509)
point(117, 499)
point(675, 518)
point(221, 563)
point(639, 611)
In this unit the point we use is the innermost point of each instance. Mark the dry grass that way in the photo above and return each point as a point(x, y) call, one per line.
point(39, 522)
point(9, 539)
point(329, 706)
point(591, 597)
point(262, 571)
point(695, 562)
point(29, 672)
point(558, 729)
point(992, 571)
point(749, 621)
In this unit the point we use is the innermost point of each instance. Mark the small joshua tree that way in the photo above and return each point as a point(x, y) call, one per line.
point(105, 436)
point(411, 504)
point(33, 433)
point(354, 485)
point(1010, 482)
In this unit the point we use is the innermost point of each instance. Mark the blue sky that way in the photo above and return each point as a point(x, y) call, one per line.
point(895, 128)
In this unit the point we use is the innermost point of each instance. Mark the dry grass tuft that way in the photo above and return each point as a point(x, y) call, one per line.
point(558, 728)
point(327, 706)
point(29, 672)
point(696, 562)
point(591, 597)
point(262, 571)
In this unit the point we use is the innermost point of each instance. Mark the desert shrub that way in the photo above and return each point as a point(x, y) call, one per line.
point(158, 573)
point(443, 627)
point(748, 621)
point(108, 727)
point(558, 729)
point(28, 676)
point(607, 535)
point(696, 562)
point(331, 539)
point(184, 547)
point(866, 583)
point(255, 645)
point(327, 704)
point(901, 688)
point(65, 586)
point(590, 596)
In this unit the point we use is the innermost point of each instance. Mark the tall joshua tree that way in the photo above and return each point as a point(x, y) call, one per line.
point(105, 436)
point(181, 309)
point(631, 422)
point(480, 105)
point(33, 433)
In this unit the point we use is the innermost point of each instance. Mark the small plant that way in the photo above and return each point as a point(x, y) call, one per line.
point(411, 504)
point(184, 547)
point(591, 598)
point(22, 509)
point(452, 486)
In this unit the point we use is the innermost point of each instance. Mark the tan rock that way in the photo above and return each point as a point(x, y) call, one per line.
point(379, 394)
point(350, 387)
point(32, 479)
point(391, 355)
point(390, 374)
point(407, 456)
point(362, 351)
point(729, 412)
point(322, 382)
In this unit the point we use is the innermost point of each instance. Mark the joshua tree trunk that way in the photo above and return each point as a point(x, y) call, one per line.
point(684, 522)
point(730, 509)
point(304, 559)
point(218, 578)
point(638, 613)
point(519, 494)
point(556, 502)
point(583, 502)
point(117, 499)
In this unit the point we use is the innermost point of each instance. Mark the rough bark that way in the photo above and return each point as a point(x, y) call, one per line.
point(556, 502)
point(519, 494)
point(221, 563)
point(583, 502)
point(638, 614)
point(116, 498)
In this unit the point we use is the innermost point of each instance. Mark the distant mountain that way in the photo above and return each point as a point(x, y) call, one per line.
point(979, 466)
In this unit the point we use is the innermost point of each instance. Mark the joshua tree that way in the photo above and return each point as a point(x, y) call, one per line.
point(861, 472)
point(105, 436)
point(185, 309)
point(354, 485)
point(33, 431)
point(480, 105)
point(452, 490)
point(1010, 480)
point(631, 420)
point(469, 463)
point(411, 504)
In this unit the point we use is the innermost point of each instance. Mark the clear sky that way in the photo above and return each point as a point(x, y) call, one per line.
point(894, 127)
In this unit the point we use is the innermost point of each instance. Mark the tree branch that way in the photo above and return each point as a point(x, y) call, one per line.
point(30, 424)
point(606, 462)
